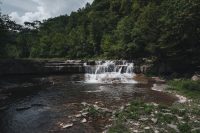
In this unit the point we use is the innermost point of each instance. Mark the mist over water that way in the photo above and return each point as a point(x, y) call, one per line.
point(110, 72)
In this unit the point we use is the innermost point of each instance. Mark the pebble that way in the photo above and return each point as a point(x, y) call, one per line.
point(78, 115)
point(154, 120)
point(182, 99)
point(122, 108)
point(136, 124)
point(74, 120)
point(152, 115)
point(66, 125)
point(143, 119)
point(155, 104)
point(84, 103)
point(166, 110)
point(70, 116)
point(180, 118)
point(96, 107)
point(173, 127)
point(85, 113)
point(106, 110)
point(135, 131)
point(83, 121)
point(147, 128)
point(167, 114)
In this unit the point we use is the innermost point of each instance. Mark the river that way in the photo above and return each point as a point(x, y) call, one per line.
point(41, 104)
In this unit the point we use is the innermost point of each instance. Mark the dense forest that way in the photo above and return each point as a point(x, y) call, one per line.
point(165, 31)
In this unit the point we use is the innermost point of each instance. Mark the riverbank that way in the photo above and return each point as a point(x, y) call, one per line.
point(182, 116)
point(143, 117)
point(40, 66)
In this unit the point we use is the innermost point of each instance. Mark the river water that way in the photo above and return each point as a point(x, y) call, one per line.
point(41, 104)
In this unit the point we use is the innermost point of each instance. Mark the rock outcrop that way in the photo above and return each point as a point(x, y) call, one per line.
point(23, 67)
point(196, 77)
point(45, 67)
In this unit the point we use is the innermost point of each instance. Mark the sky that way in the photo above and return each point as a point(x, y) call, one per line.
point(30, 10)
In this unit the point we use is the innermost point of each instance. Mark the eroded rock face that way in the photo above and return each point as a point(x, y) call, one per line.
point(39, 67)
point(91, 63)
point(23, 67)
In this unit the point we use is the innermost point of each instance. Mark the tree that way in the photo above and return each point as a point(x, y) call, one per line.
point(8, 33)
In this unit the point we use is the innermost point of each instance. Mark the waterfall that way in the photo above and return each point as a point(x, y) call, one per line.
point(109, 72)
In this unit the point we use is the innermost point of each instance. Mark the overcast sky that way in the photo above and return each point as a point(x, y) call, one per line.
point(30, 10)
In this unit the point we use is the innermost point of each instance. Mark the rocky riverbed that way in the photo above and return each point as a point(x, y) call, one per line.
point(65, 103)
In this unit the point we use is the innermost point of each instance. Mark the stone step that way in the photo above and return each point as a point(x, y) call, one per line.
point(63, 64)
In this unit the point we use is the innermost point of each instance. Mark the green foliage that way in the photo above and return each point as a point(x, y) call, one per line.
point(8, 35)
point(166, 118)
point(93, 111)
point(118, 128)
point(184, 128)
point(135, 110)
point(187, 87)
point(180, 117)
point(167, 30)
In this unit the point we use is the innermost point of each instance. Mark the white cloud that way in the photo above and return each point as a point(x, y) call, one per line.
point(42, 9)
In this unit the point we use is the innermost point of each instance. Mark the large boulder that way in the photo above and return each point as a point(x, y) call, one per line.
point(196, 78)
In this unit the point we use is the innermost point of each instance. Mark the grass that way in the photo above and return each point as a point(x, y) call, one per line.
point(157, 117)
point(136, 109)
point(186, 87)
point(93, 112)
point(184, 117)
point(118, 128)
point(184, 128)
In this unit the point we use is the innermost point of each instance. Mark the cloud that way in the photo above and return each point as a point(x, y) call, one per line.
point(40, 14)
point(31, 10)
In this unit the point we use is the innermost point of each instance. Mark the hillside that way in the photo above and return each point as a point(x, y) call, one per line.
point(165, 31)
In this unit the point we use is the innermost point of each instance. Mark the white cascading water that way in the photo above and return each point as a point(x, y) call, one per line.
point(109, 72)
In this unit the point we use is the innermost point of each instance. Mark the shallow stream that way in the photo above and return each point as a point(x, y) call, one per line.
point(41, 104)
